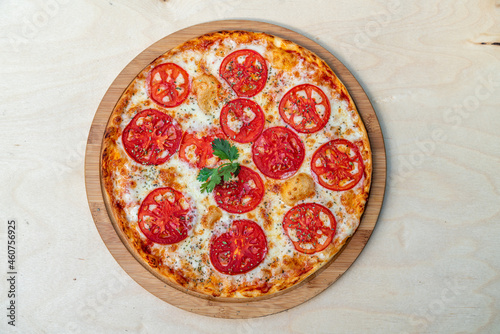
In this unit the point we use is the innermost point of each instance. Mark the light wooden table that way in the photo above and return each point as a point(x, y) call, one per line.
point(432, 71)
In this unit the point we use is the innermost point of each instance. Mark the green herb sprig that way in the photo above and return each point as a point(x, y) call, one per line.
point(213, 176)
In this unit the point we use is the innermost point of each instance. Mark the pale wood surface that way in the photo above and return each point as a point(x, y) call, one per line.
point(137, 268)
point(432, 263)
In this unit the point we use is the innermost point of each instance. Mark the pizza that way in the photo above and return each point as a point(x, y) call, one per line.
point(235, 165)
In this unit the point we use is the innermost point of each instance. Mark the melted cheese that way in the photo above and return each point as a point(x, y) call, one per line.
point(272, 208)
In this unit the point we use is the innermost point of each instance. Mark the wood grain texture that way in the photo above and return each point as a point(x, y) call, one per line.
point(431, 264)
point(198, 303)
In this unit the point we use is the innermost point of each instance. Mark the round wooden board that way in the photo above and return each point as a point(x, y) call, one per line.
point(210, 306)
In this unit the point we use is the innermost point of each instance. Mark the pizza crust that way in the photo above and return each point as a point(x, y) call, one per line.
point(121, 175)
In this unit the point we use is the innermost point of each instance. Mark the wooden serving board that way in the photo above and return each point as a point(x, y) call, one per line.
point(211, 306)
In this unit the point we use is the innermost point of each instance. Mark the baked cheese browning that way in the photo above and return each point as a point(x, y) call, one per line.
point(209, 92)
point(354, 203)
point(268, 224)
point(168, 177)
point(211, 217)
point(186, 263)
point(297, 188)
point(286, 61)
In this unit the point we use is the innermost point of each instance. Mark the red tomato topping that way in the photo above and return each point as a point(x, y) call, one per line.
point(240, 195)
point(240, 249)
point(196, 149)
point(310, 227)
point(338, 165)
point(165, 216)
point(245, 71)
point(169, 85)
point(152, 137)
point(249, 118)
point(278, 153)
point(306, 108)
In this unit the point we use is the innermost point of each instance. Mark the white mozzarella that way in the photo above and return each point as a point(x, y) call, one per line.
point(147, 179)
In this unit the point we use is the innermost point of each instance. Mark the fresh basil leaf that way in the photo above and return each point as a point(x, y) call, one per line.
point(227, 171)
point(237, 170)
point(213, 176)
point(205, 173)
point(209, 186)
point(233, 153)
point(221, 148)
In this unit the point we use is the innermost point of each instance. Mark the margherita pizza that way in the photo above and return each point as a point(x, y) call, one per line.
point(236, 165)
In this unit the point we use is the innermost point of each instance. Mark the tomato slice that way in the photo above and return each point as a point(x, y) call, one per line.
point(278, 153)
point(165, 216)
point(196, 149)
point(240, 249)
point(240, 195)
point(245, 71)
point(310, 227)
point(242, 120)
point(169, 85)
point(152, 137)
point(338, 165)
point(305, 108)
